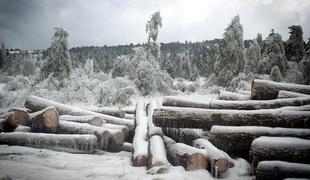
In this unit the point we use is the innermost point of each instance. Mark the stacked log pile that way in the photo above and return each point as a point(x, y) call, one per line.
point(267, 125)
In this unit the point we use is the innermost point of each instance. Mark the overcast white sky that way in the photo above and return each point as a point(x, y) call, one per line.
point(28, 24)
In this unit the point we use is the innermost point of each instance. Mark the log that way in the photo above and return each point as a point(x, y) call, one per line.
point(13, 118)
point(157, 157)
point(89, 119)
point(239, 105)
point(140, 143)
point(218, 161)
point(236, 140)
point(182, 135)
point(189, 157)
point(129, 116)
point(226, 95)
point(288, 94)
point(126, 147)
point(245, 92)
point(123, 129)
point(129, 109)
point(280, 148)
point(108, 139)
point(296, 108)
point(59, 142)
point(36, 103)
point(22, 128)
point(206, 118)
point(263, 89)
point(46, 120)
point(112, 111)
point(278, 170)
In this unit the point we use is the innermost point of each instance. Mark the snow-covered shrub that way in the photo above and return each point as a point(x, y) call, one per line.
point(19, 82)
point(240, 82)
point(275, 74)
point(145, 79)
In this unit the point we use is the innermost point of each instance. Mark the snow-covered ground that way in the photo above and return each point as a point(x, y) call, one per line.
point(27, 163)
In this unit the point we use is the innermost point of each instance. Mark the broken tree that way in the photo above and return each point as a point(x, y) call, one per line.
point(206, 118)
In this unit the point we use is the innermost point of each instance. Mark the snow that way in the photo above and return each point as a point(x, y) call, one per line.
point(285, 166)
point(281, 142)
point(27, 163)
point(260, 129)
point(140, 143)
point(158, 150)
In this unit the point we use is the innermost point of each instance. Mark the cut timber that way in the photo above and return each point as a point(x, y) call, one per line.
point(238, 105)
point(226, 95)
point(22, 128)
point(288, 94)
point(157, 157)
point(280, 148)
point(180, 135)
point(236, 140)
point(112, 111)
point(189, 157)
point(129, 116)
point(90, 119)
point(36, 103)
point(157, 153)
point(13, 118)
point(122, 128)
point(126, 147)
point(45, 120)
point(59, 142)
point(140, 143)
point(263, 89)
point(219, 161)
point(108, 139)
point(130, 109)
point(278, 170)
point(206, 118)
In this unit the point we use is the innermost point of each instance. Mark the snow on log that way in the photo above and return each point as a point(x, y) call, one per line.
point(239, 105)
point(157, 153)
point(140, 142)
point(236, 140)
point(152, 129)
point(264, 89)
point(278, 170)
point(59, 142)
point(13, 118)
point(22, 128)
point(226, 95)
point(219, 161)
point(126, 147)
point(129, 109)
point(245, 92)
point(46, 120)
point(36, 103)
point(206, 118)
point(288, 94)
point(182, 135)
point(112, 111)
point(189, 157)
point(280, 148)
point(108, 139)
point(129, 116)
point(296, 108)
point(89, 119)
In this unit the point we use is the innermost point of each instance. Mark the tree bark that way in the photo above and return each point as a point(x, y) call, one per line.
point(206, 118)
point(288, 94)
point(238, 105)
point(140, 143)
point(112, 111)
point(278, 170)
point(226, 95)
point(219, 161)
point(189, 157)
point(236, 140)
point(263, 89)
point(46, 120)
point(36, 103)
point(89, 119)
point(280, 148)
point(59, 142)
point(181, 135)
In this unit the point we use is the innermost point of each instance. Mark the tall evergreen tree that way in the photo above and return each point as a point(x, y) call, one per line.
point(58, 59)
point(253, 56)
point(230, 58)
point(294, 46)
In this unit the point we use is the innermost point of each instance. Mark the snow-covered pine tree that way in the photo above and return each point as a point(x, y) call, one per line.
point(275, 74)
point(253, 56)
point(230, 57)
point(305, 64)
point(259, 39)
point(152, 28)
point(58, 60)
point(294, 46)
point(273, 54)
